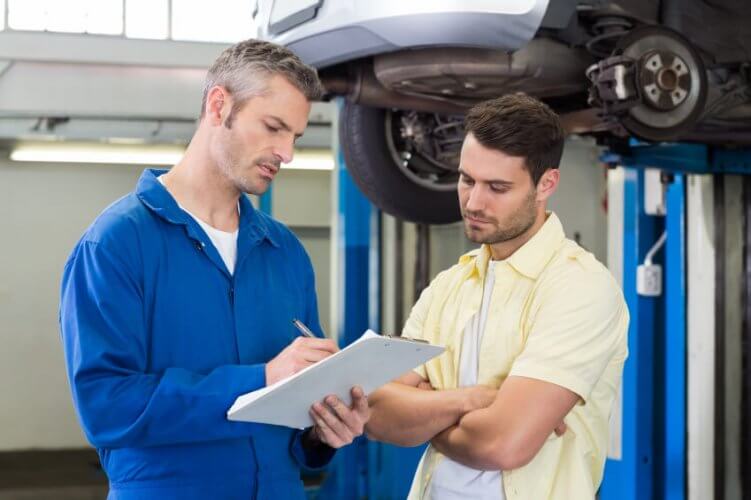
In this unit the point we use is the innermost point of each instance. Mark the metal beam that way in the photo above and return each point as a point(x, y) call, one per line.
point(102, 49)
point(674, 367)
point(4, 66)
point(682, 157)
point(718, 198)
point(700, 254)
point(33, 89)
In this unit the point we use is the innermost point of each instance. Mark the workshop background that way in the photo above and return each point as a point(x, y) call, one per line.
point(93, 92)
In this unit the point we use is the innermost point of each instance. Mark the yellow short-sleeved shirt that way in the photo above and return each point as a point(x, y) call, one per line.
point(556, 315)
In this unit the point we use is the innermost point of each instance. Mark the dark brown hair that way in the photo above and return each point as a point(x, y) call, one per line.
point(522, 126)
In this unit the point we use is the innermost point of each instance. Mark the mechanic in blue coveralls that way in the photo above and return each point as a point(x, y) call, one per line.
point(180, 297)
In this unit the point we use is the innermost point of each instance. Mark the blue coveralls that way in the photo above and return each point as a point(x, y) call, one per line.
point(160, 339)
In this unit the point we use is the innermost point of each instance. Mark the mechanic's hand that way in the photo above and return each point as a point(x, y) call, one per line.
point(336, 424)
point(301, 353)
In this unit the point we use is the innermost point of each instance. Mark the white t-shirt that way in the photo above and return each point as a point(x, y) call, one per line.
point(452, 480)
point(224, 242)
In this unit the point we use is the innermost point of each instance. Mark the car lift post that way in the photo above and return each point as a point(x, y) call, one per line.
point(654, 454)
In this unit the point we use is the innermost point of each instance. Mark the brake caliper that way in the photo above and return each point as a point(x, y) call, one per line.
point(614, 85)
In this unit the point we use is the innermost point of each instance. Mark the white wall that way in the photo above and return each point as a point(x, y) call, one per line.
point(301, 199)
point(579, 198)
point(45, 208)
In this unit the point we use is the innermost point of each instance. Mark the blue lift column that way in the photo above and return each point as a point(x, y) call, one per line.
point(654, 460)
point(673, 466)
point(265, 201)
point(631, 476)
point(366, 469)
point(356, 236)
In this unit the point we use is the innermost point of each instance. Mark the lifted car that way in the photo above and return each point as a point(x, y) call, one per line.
point(660, 71)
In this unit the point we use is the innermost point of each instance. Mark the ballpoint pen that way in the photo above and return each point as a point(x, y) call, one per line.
point(302, 328)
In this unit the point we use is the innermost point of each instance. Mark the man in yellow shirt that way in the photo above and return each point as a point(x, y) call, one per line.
point(535, 328)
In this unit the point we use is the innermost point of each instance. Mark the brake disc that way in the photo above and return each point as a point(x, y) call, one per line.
point(655, 84)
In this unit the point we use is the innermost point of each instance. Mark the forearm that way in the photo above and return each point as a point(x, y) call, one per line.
point(475, 441)
point(509, 433)
point(408, 416)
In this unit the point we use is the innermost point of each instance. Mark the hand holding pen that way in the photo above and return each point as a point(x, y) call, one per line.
point(301, 353)
point(336, 424)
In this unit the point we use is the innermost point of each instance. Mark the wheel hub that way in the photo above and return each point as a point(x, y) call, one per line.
point(664, 80)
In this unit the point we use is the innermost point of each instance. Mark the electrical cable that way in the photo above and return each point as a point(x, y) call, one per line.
point(655, 248)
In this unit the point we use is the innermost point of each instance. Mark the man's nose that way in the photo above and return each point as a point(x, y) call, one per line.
point(285, 151)
point(475, 199)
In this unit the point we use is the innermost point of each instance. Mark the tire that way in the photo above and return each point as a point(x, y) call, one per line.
point(362, 137)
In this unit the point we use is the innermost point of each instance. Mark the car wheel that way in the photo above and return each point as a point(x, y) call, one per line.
point(405, 162)
point(672, 83)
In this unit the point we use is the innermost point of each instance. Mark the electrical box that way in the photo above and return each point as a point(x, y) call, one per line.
point(649, 280)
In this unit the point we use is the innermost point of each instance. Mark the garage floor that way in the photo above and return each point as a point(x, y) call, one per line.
point(59, 475)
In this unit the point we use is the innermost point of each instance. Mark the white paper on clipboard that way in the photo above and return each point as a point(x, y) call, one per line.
point(369, 362)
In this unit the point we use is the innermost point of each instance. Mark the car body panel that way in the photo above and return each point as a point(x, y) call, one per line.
point(325, 32)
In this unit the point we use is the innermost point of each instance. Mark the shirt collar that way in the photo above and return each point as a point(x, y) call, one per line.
point(155, 196)
point(531, 258)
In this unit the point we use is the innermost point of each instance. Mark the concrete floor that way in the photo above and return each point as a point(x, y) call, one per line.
point(70, 475)
point(63, 493)
point(48, 475)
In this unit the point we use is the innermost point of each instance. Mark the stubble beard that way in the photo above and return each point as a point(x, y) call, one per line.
point(233, 169)
point(518, 223)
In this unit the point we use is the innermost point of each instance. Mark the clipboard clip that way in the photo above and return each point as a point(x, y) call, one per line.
point(409, 339)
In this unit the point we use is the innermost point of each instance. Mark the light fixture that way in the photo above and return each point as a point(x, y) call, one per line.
point(98, 153)
point(142, 154)
point(311, 159)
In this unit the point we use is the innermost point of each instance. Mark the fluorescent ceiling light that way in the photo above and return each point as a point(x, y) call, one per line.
point(320, 159)
point(59, 152)
point(97, 153)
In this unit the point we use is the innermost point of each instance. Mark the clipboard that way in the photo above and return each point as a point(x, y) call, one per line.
point(369, 362)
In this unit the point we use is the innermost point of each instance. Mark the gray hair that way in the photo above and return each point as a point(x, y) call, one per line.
point(245, 68)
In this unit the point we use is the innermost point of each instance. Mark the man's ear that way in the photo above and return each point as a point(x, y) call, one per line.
point(218, 105)
point(548, 183)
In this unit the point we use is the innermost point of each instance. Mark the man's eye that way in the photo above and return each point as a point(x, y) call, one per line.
point(467, 180)
point(498, 189)
point(271, 129)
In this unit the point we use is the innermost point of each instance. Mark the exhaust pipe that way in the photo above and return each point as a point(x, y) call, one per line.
point(364, 88)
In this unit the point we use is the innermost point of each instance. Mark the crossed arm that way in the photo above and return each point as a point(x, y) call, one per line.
point(406, 414)
point(508, 434)
point(477, 426)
